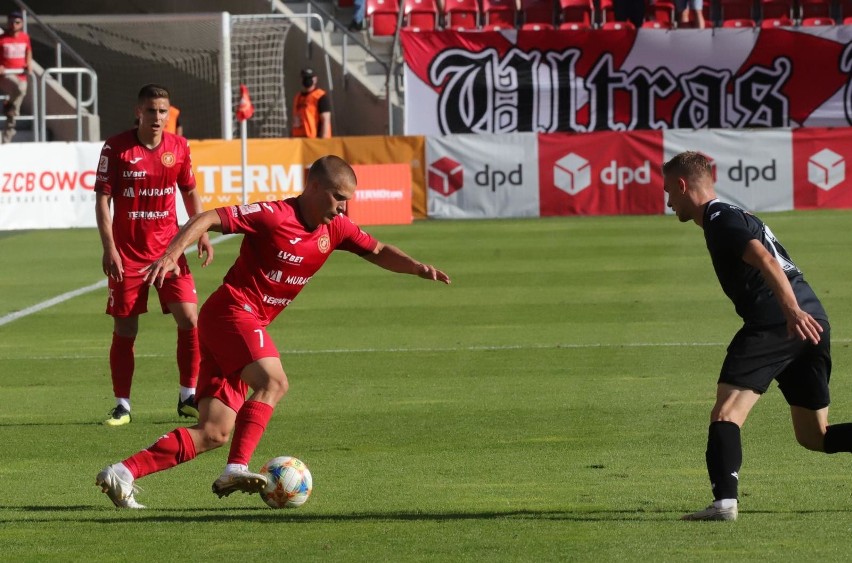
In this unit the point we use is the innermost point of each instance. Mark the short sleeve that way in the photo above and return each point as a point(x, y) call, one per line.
point(186, 179)
point(247, 219)
point(353, 239)
point(107, 165)
point(727, 232)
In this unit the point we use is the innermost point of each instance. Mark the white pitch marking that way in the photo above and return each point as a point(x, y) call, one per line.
point(6, 319)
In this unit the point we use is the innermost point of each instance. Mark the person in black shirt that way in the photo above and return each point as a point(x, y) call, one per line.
point(785, 335)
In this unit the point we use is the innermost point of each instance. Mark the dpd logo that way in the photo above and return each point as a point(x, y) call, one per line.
point(826, 169)
point(445, 176)
point(572, 174)
point(749, 174)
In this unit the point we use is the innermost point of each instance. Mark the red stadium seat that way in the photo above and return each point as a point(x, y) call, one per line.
point(736, 9)
point(770, 23)
point(537, 11)
point(814, 9)
point(606, 11)
point(847, 20)
point(653, 24)
point(739, 22)
point(420, 15)
point(844, 9)
point(617, 25)
point(503, 12)
point(533, 26)
point(661, 11)
point(461, 15)
point(381, 16)
point(776, 9)
point(817, 22)
point(574, 26)
point(576, 11)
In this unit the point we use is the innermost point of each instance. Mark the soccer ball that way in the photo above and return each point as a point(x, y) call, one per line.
point(288, 482)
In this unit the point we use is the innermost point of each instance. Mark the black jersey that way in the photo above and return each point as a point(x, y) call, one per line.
point(727, 231)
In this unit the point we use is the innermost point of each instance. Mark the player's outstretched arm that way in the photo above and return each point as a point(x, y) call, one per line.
point(193, 204)
point(393, 259)
point(156, 272)
point(799, 323)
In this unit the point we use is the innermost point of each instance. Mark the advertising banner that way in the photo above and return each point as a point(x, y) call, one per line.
point(47, 185)
point(584, 81)
point(482, 176)
point(754, 169)
point(821, 174)
point(277, 168)
point(601, 173)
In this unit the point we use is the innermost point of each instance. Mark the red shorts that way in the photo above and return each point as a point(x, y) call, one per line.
point(129, 297)
point(231, 338)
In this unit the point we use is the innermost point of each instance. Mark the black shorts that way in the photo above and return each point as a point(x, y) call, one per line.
point(757, 355)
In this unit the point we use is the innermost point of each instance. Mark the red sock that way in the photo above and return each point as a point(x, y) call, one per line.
point(169, 450)
point(251, 422)
point(121, 364)
point(188, 356)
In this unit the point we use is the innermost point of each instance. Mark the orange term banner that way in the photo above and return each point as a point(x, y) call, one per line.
point(277, 168)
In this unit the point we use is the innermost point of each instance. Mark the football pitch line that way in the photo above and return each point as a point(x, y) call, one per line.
point(6, 319)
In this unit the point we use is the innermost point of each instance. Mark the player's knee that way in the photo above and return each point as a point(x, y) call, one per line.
point(278, 387)
point(215, 438)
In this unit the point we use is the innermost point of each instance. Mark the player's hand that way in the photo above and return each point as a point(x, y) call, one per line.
point(204, 247)
point(803, 326)
point(429, 272)
point(112, 265)
point(156, 272)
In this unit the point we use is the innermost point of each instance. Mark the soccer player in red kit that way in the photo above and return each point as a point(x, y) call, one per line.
point(140, 172)
point(285, 243)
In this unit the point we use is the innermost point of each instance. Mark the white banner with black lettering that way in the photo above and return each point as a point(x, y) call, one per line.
point(754, 169)
point(482, 176)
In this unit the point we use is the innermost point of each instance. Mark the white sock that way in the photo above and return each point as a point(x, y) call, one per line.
point(186, 392)
point(121, 401)
point(123, 473)
point(725, 503)
point(235, 467)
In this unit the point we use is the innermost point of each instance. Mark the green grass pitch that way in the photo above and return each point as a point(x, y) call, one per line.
point(550, 405)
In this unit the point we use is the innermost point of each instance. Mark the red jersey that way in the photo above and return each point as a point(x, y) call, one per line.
point(13, 52)
point(279, 255)
point(143, 184)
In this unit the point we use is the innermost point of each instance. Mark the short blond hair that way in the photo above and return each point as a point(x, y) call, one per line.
point(691, 165)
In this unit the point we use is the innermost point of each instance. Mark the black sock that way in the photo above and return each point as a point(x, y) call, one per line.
point(724, 458)
point(838, 438)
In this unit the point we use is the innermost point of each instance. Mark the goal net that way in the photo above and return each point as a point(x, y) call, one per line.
point(200, 58)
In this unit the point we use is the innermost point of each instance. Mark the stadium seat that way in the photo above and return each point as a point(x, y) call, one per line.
point(537, 11)
point(817, 22)
point(661, 11)
point(576, 11)
point(739, 22)
point(617, 25)
point(814, 9)
point(502, 12)
point(844, 9)
point(653, 24)
point(736, 10)
point(381, 16)
point(574, 26)
point(847, 20)
point(420, 15)
point(770, 23)
point(461, 15)
point(534, 26)
point(496, 27)
point(776, 9)
point(606, 11)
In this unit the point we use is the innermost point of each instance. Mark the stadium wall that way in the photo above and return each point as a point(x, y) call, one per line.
point(463, 176)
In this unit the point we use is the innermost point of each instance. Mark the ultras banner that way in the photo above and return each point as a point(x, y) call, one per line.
point(584, 81)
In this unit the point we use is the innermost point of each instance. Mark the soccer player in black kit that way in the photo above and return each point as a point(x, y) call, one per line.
point(785, 335)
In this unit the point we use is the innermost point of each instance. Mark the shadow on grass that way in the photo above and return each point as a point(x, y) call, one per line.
point(263, 515)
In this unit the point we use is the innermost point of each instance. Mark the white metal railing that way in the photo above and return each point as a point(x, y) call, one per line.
point(34, 117)
point(90, 103)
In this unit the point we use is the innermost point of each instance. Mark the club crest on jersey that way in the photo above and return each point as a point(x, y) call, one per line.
point(168, 159)
point(324, 243)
